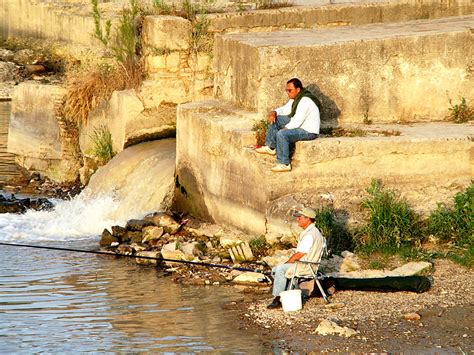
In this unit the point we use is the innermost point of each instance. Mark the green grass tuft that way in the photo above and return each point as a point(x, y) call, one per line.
point(335, 231)
point(102, 144)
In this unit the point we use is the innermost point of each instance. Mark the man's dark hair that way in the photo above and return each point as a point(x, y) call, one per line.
point(296, 83)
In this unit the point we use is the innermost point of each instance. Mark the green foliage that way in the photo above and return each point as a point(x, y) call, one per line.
point(376, 265)
point(126, 40)
point(99, 33)
point(259, 245)
point(260, 129)
point(102, 144)
point(336, 232)
point(391, 223)
point(455, 224)
point(460, 113)
point(201, 39)
point(463, 257)
point(161, 8)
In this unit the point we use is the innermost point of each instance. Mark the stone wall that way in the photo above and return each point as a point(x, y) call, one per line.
point(386, 73)
point(222, 179)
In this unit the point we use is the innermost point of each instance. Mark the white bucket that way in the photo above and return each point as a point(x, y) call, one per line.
point(291, 300)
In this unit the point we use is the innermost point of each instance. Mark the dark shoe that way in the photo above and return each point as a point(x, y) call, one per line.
point(275, 303)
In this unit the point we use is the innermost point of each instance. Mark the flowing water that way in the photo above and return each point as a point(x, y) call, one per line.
point(64, 302)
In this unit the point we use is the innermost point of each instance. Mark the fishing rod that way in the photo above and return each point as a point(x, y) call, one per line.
point(198, 263)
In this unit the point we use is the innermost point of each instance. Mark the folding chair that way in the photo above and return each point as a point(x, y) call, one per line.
point(307, 267)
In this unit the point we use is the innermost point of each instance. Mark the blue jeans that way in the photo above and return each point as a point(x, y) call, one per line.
point(282, 138)
point(279, 279)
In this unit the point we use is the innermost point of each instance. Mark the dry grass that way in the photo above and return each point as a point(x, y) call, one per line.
point(86, 90)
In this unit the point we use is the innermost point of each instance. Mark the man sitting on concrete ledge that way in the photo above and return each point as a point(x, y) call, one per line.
point(297, 120)
point(308, 237)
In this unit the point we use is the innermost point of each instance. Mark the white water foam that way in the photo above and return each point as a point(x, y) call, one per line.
point(78, 219)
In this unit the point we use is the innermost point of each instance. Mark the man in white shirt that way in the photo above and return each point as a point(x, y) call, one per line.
point(297, 120)
point(309, 237)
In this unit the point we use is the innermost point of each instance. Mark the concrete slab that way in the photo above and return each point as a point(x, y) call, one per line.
point(384, 72)
point(221, 178)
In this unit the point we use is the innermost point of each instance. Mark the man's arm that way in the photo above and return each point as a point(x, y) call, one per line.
point(295, 257)
point(305, 106)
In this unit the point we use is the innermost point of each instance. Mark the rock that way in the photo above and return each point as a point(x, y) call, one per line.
point(412, 316)
point(124, 249)
point(169, 247)
point(107, 239)
point(251, 278)
point(206, 230)
point(8, 71)
point(331, 265)
point(289, 240)
point(119, 232)
point(173, 255)
point(347, 254)
point(41, 204)
point(152, 233)
point(137, 224)
point(327, 327)
point(241, 252)
point(6, 55)
point(12, 207)
point(24, 56)
point(35, 68)
point(133, 237)
point(274, 260)
point(412, 268)
point(349, 263)
point(164, 220)
point(138, 247)
point(191, 249)
point(335, 306)
point(149, 254)
point(272, 238)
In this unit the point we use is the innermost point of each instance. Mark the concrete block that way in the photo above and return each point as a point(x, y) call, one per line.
point(157, 33)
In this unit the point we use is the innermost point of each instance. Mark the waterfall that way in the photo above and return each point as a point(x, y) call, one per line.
point(132, 184)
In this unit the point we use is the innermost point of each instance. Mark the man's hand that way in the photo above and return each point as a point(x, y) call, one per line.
point(272, 117)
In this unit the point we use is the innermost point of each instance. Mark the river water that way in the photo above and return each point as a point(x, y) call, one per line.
point(64, 302)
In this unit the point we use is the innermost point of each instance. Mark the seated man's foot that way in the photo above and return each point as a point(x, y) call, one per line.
point(266, 150)
point(276, 303)
point(281, 168)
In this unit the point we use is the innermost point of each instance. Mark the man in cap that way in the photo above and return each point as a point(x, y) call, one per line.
point(307, 238)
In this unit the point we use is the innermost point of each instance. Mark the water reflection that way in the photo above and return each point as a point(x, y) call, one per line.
point(62, 302)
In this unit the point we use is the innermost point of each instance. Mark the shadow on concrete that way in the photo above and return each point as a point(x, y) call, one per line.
point(330, 112)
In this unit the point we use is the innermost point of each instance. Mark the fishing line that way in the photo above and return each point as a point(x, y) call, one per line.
point(198, 263)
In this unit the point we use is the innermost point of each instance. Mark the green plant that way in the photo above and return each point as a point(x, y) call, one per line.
point(376, 265)
point(463, 257)
point(201, 39)
point(391, 223)
point(102, 144)
point(270, 4)
point(259, 245)
point(455, 224)
point(260, 129)
point(99, 33)
point(460, 113)
point(336, 233)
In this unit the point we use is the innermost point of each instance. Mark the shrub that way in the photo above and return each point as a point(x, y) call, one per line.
point(455, 224)
point(335, 231)
point(460, 113)
point(391, 223)
point(260, 129)
point(259, 245)
point(102, 144)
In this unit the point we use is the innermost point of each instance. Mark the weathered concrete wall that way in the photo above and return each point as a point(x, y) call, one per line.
point(34, 131)
point(39, 19)
point(223, 180)
point(387, 73)
point(128, 121)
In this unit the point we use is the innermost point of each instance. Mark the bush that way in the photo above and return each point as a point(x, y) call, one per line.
point(391, 223)
point(335, 232)
point(259, 245)
point(102, 144)
point(455, 224)
point(460, 113)
point(260, 129)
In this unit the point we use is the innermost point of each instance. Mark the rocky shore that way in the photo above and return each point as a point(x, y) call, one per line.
point(358, 321)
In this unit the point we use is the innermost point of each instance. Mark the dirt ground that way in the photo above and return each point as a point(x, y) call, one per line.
point(445, 326)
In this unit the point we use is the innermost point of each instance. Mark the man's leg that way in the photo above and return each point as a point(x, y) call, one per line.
point(273, 129)
point(279, 279)
point(287, 136)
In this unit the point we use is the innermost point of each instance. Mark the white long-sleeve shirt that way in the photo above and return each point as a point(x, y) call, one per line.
point(306, 115)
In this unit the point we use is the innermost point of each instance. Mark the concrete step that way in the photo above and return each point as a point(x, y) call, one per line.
point(221, 175)
point(392, 72)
